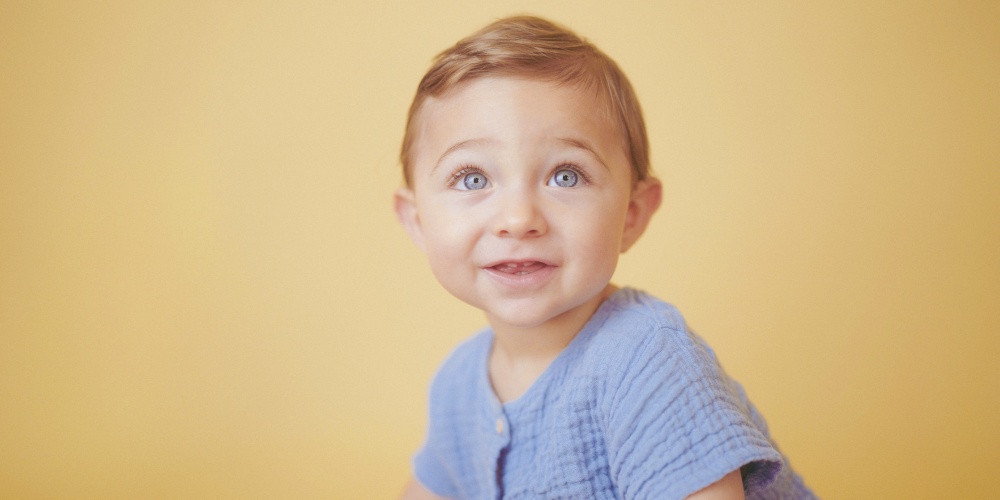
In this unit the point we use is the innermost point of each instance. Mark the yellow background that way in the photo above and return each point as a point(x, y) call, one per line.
point(204, 292)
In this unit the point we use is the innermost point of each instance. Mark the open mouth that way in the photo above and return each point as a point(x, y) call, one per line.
point(519, 268)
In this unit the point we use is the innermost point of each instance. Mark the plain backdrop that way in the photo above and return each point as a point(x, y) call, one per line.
point(204, 292)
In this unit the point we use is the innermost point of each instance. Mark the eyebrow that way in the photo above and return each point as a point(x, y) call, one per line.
point(584, 145)
point(455, 147)
point(576, 143)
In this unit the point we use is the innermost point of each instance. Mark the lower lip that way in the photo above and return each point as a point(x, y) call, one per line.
point(521, 281)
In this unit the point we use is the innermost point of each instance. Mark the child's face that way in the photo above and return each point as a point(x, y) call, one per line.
point(522, 197)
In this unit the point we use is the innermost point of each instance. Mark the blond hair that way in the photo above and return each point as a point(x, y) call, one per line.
point(532, 47)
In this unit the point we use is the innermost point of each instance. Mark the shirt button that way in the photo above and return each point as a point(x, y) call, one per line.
point(499, 426)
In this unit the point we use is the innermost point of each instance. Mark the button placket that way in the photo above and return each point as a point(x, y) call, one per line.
point(499, 434)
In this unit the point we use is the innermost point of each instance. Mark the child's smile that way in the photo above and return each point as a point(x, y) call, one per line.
point(520, 268)
point(521, 198)
point(523, 274)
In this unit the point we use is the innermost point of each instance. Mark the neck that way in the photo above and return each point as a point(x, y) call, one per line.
point(544, 342)
point(521, 354)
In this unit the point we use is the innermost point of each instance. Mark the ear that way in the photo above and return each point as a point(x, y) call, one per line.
point(646, 197)
point(406, 211)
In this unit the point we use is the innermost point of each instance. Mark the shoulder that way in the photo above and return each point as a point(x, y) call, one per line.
point(467, 353)
point(633, 316)
point(670, 409)
point(458, 374)
point(455, 409)
point(647, 346)
point(639, 327)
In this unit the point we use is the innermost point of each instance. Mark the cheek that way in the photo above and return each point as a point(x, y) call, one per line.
point(600, 230)
point(446, 260)
point(446, 238)
point(449, 234)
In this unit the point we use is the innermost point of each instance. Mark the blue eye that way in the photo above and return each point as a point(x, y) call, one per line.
point(565, 178)
point(474, 180)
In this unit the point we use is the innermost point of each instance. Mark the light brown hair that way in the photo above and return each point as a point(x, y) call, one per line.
point(526, 46)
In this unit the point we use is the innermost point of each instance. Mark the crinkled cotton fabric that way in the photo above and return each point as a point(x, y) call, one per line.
point(636, 406)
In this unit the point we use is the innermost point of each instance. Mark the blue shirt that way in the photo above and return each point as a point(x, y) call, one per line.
point(636, 406)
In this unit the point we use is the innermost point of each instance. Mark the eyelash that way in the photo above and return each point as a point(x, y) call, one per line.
point(469, 169)
point(462, 172)
point(579, 171)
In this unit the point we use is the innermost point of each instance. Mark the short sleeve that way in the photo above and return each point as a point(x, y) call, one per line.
point(429, 466)
point(430, 471)
point(451, 455)
point(677, 423)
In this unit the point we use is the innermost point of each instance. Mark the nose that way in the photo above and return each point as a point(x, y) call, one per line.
point(519, 215)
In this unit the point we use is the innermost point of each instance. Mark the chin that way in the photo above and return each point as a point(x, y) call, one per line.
point(526, 316)
point(519, 322)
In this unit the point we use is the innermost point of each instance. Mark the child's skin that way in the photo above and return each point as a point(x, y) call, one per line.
point(523, 197)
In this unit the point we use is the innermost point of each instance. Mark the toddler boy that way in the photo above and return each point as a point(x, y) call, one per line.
point(527, 174)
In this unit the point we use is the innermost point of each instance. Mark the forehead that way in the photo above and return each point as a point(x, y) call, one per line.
point(513, 111)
